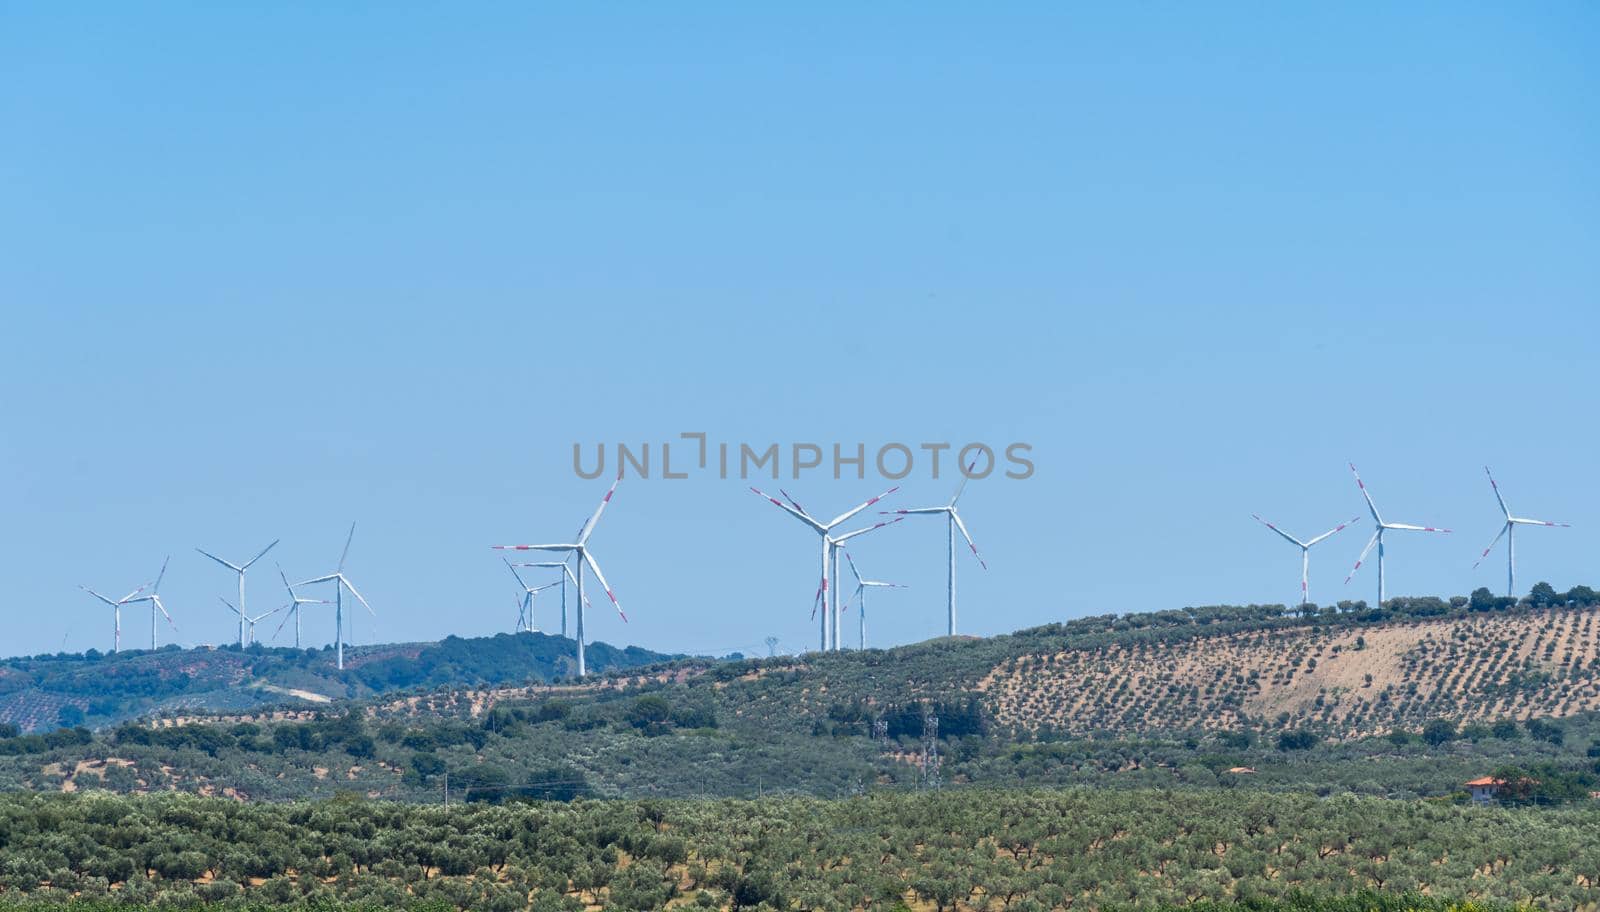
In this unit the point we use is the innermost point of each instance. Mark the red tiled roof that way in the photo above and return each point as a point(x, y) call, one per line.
point(1485, 780)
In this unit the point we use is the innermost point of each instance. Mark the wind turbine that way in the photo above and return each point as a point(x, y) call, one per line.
point(340, 584)
point(295, 602)
point(240, 569)
point(1305, 552)
point(252, 621)
point(525, 605)
point(952, 523)
point(1377, 535)
point(156, 607)
point(566, 574)
point(116, 611)
point(581, 549)
point(862, 585)
point(830, 615)
point(1510, 531)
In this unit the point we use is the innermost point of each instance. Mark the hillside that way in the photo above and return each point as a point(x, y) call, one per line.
point(1326, 702)
point(1350, 681)
point(95, 689)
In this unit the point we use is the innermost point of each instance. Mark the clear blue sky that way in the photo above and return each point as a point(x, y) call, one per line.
point(265, 271)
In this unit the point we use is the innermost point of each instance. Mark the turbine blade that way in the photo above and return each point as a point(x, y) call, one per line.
point(803, 517)
point(594, 566)
point(234, 567)
point(1370, 505)
point(159, 576)
point(849, 513)
point(295, 607)
point(849, 535)
point(1286, 535)
point(1523, 521)
point(520, 581)
point(562, 547)
point(228, 603)
point(966, 476)
point(320, 579)
point(792, 501)
point(588, 527)
point(156, 599)
point(98, 596)
point(1364, 551)
point(1497, 495)
point(963, 527)
point(353, 592)
point(1339, 528)
point(346, 552)
point(822, 586)
point(1407, 527)
point(852, 562)
point(269, 548)
point(285, 578)
point(912, 512)
point(1499, 535)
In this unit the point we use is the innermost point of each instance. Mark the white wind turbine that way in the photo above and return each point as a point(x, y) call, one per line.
point(1305, 552)
point(250, 622)
point(525, 604)
point(1510, 531)
point(240, 569)
point(295, 602)
point(116, 610)
point(156, 607)
point(952, 523)
point(585, 556)
point(340, 584)
point(1377, 535)
point(862, 585)
point(830, 615)
point(566, 574)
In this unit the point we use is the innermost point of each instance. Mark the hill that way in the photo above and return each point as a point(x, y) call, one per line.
point(1408, 701)
point(95, 689)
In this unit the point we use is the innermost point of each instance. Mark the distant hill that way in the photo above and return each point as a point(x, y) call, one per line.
point(95, 689)
point(1413, 699)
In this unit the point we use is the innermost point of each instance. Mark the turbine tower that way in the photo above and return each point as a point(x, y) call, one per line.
point(862, 585)
point(1305, 552)
point(295, 602)
point(1377, 535)
point(156, 607)
point(340, 584)
point(1509, 530)
point(952, 523)
point(585, 556)
point(828, 633)
point(240, 569)
point(525, 604)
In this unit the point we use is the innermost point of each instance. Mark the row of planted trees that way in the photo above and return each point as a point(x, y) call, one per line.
point(953, 850)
